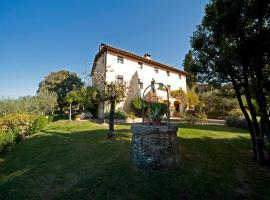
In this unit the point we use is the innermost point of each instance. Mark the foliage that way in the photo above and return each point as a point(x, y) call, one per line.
point(25, 104)
point(7, 138)
point(216, 104)
point(157, 110)
point(117, 115)
point(60, 82)
point(193, 117)
point(232, 46)
point(180, 95)
point(189, 66)
point(131, 115)
point(114, 90)
point(40, 123)
point(21, 122)
point(47, 101)
point(237, 122)
point(41, 104)
point(86, 97)
point(138, 103)
point(192, 97)
point(235, 113)
point(24, 123)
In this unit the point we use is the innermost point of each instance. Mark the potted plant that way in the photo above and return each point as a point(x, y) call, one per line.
point(157, 110)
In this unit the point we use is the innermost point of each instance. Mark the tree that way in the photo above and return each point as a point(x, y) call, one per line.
point(192, 97)
point(89, 97)
point(47, 101)
point(113, 92)
point(61, 82)
point(232, 45)
point(86, 97)
point(189, 66)
point(72, 96)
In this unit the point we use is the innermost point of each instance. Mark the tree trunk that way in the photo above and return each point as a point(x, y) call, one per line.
point(257, 132)
point(249, 122)
point(111, 118)
point(70, 109)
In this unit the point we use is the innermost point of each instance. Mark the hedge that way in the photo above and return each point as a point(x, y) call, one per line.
point(8, 138)
point(15, 126)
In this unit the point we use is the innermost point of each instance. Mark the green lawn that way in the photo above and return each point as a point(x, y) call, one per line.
point(75, 160)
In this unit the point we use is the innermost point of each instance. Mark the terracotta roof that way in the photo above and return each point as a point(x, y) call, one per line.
point(104, 47)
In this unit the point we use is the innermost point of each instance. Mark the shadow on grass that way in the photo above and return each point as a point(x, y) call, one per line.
point(87, 165)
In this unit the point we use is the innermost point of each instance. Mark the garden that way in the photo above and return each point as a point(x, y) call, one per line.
point(76, 160)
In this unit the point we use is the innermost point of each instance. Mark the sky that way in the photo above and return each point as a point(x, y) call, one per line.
point(41, 36)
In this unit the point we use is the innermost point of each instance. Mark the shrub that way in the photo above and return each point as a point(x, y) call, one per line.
point(237, 122)
point(117, 115)
point(120, 115)
point(131, 115)
point(157, 110)
point(201, 118)
point(21, 122)
point(40, 123)
point(138, 103)
point(7, 138)
point(196, 117)
point(235, 113)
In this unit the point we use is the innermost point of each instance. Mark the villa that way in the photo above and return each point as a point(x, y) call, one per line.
point(112, 64)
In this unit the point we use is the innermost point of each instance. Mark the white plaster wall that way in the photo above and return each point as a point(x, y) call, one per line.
point(130, 67)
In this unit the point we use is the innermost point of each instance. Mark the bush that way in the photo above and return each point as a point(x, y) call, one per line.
point(131, 115)
point(117, 115)
point(196, 117)
point(138, 103)
point(40, 123)
point(7, 138)
point(201, 118)
point(157, 110)
point(21, 122)
point(237, 122)
point(235, 113)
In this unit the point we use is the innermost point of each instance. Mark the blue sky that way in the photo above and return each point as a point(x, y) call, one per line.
point(41, 36)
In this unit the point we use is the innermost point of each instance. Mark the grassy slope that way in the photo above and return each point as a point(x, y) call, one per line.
point(75, 160)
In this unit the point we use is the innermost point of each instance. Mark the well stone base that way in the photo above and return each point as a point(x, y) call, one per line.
point(154, 147)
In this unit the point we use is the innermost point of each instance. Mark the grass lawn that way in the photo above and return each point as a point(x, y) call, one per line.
point(75, 160)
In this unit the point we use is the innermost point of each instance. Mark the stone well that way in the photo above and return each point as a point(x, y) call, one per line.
point(154, 147)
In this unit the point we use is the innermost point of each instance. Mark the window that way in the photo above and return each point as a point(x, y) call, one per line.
point(120, 79)
point(169, 87)
point(156, 69)
point(140, 83)
point(168, 73)
point(140, 64)
point(180, 77)
point(120, 59)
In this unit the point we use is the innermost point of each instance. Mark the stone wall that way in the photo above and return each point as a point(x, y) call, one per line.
point(154, 147)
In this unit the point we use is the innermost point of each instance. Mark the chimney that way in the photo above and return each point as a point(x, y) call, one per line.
point(147, 56)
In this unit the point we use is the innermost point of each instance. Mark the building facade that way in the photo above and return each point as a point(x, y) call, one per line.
point(112, 64)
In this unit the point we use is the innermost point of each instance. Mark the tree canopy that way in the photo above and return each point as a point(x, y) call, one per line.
point(189, 66)
point(60, 82)
point(232, 44)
